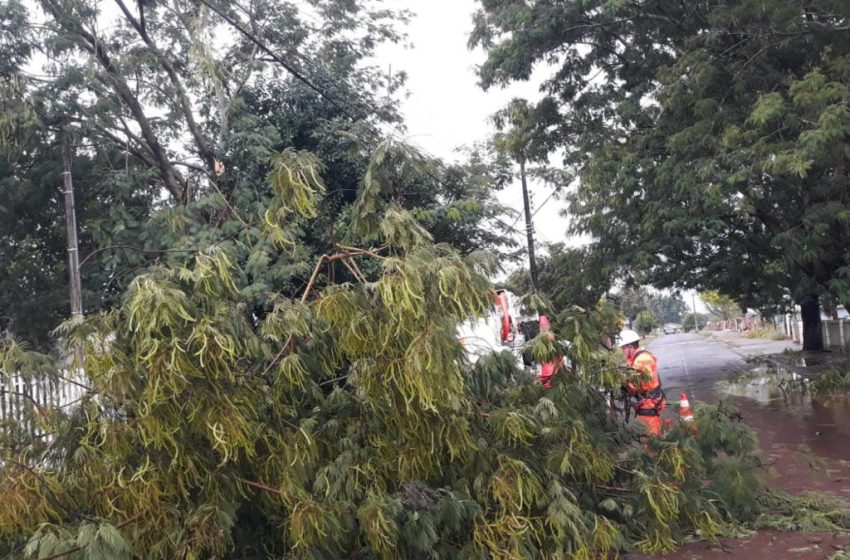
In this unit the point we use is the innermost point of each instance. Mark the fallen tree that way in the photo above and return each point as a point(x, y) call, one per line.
point(348, 423)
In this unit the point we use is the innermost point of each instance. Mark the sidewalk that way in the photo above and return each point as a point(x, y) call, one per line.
point(750, 347)
point(785, 354)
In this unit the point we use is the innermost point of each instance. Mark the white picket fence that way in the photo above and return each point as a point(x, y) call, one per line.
point(836, 332)
point(18, 394)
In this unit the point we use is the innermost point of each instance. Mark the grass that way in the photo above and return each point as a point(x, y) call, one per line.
point(835, 381)
point(767, 332)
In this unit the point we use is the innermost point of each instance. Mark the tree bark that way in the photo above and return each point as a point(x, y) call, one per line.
point(812, 328)
point(529, 228)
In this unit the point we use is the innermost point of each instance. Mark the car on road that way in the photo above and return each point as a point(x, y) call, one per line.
point(673, 328)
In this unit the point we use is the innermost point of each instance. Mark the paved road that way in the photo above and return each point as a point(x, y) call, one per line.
point(803, 439)
point(693, 363)
point(784, 421)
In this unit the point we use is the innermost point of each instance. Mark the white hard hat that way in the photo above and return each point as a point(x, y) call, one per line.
point(627, 337)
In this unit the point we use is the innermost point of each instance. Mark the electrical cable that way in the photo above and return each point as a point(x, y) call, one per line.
point(365, 106)
point(539, 208)
point(350, 92)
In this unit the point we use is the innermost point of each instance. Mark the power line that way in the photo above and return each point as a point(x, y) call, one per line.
point(288, 67)
point(548, 198)
point(539, 208)
point(349, 91)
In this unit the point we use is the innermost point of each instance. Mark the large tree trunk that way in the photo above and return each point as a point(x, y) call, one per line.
point(812, 328)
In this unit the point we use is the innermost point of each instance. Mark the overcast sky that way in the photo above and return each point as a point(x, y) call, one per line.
point(446, 108)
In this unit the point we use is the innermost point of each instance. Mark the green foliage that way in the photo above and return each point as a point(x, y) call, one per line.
point(568, 277)
point(668, 308)
point(295, 178)
point(33, 249)
point(834, 381)
point(646, 322)
point(277, 138)
point(692, 321)
point(768, 332)
point(809, 512)
point(274, 372)
point(348, 422)
point(722, 307)
point(203, 104)
point(521, 126)
point(717, 151)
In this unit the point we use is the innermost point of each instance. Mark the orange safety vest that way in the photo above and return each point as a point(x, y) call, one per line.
point(646, 365)
point(646, 388)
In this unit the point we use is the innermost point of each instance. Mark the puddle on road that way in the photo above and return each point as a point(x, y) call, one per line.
point(778, 400)
point(768, 385)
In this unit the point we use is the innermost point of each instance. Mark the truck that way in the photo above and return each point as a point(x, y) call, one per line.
point(499, 330)
point(506, 327)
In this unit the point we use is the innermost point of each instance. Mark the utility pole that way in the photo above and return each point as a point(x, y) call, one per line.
point(694, 303)
point(75, 288)
point(529, 228)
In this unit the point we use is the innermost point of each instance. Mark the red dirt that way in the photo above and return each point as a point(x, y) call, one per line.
point(804, 442)
point(764, 545)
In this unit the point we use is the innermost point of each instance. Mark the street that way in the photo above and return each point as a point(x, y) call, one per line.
point(693, 363)
point(708, 370)
point(802, 438)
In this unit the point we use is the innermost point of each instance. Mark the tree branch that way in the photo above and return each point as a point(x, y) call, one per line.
point(134, 248)
point(91, 44)
point(258, 486)
point(126, 144)
point(286, 66)
point(74, 549)
point(186, 107)
point(323, 259)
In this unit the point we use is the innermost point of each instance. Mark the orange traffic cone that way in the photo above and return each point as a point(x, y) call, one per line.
point(685, 412)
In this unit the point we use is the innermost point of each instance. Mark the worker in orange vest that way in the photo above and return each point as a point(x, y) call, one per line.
point(644, 385)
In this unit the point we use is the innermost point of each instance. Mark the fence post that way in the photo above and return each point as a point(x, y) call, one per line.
point(841, 334)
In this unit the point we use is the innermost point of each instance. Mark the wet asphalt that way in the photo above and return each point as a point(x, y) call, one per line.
point(802, 438)
point(694, 363)
point(708, 369)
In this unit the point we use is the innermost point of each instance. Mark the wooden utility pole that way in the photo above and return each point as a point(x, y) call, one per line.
point(75, 286)
point(529, 228)
point(694, 302)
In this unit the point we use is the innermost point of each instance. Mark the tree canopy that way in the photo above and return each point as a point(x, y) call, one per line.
point(347, 421)
point(709, 137)
point(270, 367)
point(666, 307)
point(568, 277)
point(722, 307)
point(646, 322)
point(283, 76)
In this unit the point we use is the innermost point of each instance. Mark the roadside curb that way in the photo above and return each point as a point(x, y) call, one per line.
point(775, 359)
point(768, 358)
